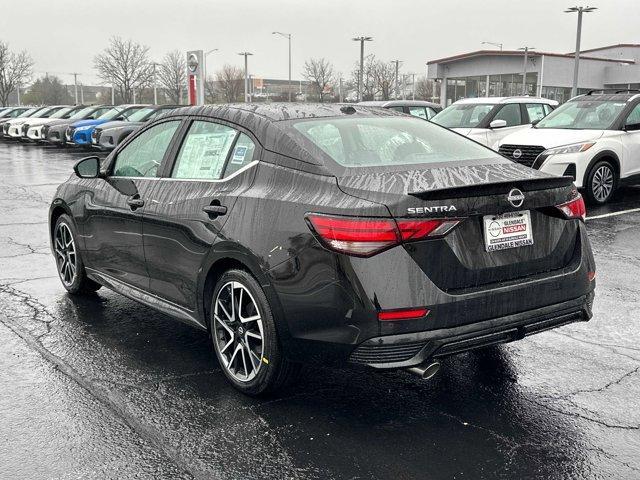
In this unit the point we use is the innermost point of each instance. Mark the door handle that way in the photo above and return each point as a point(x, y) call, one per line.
point(215, 210)
point(135, 202)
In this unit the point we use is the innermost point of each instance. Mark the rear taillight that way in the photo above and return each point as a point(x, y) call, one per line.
point(402, 314)
point(574, 208)
point(364, 237)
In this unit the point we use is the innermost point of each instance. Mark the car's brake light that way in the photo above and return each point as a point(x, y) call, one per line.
point(364, 237)
point(574, 208)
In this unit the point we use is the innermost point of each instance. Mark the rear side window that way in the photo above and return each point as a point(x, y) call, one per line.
point(204, 151)
point(397, 109)
point(241, 155)
point(547, 109)
point(511, 114)
point(390, 141)
point(418, 112)
point(143, 156)
point(536, 111)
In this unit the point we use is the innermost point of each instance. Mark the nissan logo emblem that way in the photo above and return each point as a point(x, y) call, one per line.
point(515, 197)
point(192, 62)
point(517, 153)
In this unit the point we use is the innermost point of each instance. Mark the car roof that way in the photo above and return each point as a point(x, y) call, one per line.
point(277, 112)
point(502, 100)
point(616, 97)
point(399, 103)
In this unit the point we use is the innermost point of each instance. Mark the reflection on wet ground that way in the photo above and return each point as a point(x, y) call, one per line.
point(103, 387)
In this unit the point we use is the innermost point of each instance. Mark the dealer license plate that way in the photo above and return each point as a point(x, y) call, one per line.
point(509, 230)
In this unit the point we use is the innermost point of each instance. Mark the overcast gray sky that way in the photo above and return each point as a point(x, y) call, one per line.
point(63, 35)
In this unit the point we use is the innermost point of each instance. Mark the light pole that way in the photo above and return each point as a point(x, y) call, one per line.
point(246, 75)
point(397, 62)
point(361, 39)
point(288, 37)
point(524, 71)
point(499, 45)
point(204, 67)
point(155, 88)
point(576, 65)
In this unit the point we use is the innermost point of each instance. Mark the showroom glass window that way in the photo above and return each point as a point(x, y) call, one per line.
point(204, 151)
point(143, 156)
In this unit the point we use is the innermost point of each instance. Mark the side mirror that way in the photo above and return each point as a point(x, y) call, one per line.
point(631, 127)
point(498, 124)
point(88, 167)
point(120, 118)
point(535, 122)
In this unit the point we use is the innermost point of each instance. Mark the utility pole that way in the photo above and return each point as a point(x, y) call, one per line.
point(246, 75)
point(524, 71)
point(288, 37)
point(361, 39)
point(397, 62)
point(155, 87)
point(340, 95)
point(75, 85)
point(81, 94)
point(576, 64)
point(413, 86)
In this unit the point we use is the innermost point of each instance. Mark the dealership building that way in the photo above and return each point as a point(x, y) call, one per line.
point(497, 73)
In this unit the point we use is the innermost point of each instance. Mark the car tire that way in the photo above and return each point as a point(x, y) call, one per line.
point(234, 331)
point(68, 260)
point(601, 183)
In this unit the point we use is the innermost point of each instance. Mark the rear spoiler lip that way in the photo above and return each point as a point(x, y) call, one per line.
point(494, 188)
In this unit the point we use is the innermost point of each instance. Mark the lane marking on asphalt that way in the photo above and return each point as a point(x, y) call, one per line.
point(613, 214)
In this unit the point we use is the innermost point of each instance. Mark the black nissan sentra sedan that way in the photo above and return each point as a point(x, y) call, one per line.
point(307, 233)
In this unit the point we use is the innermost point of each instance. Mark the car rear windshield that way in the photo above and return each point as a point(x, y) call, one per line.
point(463, 115)
point(388, 141)
point(583, 114)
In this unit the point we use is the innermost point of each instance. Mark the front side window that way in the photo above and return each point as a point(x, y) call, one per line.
point(511, 114)
point(430, 113)
point(547, 109)
point(397, 109)
point(536, 111)
point(463, 115)
point(204, 151)
point(583, 114)
point(392, 141)
point(634, 116)
point(143, 156)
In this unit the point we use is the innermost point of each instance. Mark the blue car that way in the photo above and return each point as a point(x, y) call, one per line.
point(79, 133)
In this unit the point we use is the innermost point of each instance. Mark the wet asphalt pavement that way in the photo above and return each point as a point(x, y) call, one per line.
point(106, 388)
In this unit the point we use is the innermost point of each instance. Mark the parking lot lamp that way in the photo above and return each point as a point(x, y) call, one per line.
point(246, 75)
point(576, 65)
point(524, 71)
point(288, 37)
point(204, 67)
point(499, 45)
point(361, 39)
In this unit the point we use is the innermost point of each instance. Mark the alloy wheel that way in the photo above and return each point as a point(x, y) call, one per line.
point(238, 331)
point(602, 183)
point(65, 250)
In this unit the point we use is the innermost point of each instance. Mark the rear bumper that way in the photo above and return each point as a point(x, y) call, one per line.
point(406, 350)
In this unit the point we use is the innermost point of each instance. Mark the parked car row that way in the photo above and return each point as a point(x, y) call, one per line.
point(100, 127)
point(592, 138)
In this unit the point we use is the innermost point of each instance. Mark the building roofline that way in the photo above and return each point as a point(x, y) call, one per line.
point(608, 47)
point(520, 53)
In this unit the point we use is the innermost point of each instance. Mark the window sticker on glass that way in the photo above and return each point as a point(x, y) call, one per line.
point(204, 151)
point(238, 155)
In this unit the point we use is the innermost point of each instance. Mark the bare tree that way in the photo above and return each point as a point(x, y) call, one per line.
point(384, 75)
point(229, 83)
point(370, 87)
point(126, 65)
point(172, 75)
point(47, 90)
point(15, 70)
point(425, 89)
point(319, 72)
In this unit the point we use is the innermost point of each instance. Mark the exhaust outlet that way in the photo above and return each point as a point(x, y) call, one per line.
point(426, 370)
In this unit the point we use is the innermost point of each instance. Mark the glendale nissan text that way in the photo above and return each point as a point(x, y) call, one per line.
point(327, 234)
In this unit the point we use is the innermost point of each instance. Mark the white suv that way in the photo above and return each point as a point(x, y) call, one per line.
point(594, 138)
point(488, 120)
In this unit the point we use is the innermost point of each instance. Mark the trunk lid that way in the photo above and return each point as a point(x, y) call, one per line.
point(459, 261)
